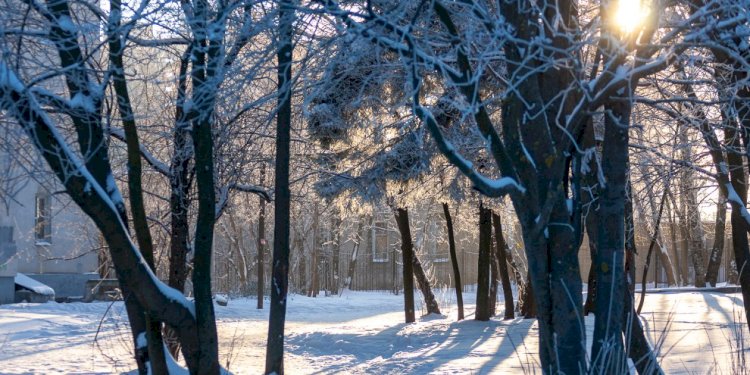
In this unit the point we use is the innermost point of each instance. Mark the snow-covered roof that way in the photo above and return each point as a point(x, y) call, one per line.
point(33, 285)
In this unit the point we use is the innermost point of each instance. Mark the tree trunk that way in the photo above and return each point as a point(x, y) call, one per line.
point(663, 255)
point(336, 245)
point(607, 352)
point(501, 251)
point(630, 246)
point(482, 311)
point(733, 180)
point(652, 244)
point(683, 227)
point(154, 342)
point(422, 282)
point(526, 305)
point(424, 286)
point(179, 202)
point(494, 278)
point(280, 270)
point(355, 252)
point(407, 253)
point(589, 202)
point(454, 261)
point(681, 278)
point(204, 94)
point(693, 227)
point(526, 300)
point(639, 349)
point(717, 251)
point(261, 261)
point(314, 287)
point(738, 223)
point(302, 264)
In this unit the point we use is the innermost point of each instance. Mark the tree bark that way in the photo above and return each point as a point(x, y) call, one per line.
point(607, 352)
point(314, 287)
point(527, 301)
point(590, 204)
point(717, 250)
point(336, 244)
point(407, 253)
point(261, 262)
point(501, 251)
point(693, 228)
point(355, 252)
point(154, 341)
point(423, 283)
point(454, 261)
point(424, 286)
point(201, 115)
point(652, 244)
point(280, 270)
point(494, 276)
point(482, 311)
point(681, 278)
point(299, 245)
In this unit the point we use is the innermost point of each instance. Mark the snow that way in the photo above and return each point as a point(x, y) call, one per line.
point(67, 24)
point(363, 332)
point(33, 285)
point(83, 101)
point(141, 341)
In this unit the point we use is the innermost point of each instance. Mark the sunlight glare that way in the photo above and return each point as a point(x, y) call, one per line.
point(629, 14)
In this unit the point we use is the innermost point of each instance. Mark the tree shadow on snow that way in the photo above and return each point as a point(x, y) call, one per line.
point(413, 348)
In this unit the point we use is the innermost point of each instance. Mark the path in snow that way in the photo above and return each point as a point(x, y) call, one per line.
point(361, 332)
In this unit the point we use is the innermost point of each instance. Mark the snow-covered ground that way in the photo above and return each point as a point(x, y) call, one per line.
point(362, 332)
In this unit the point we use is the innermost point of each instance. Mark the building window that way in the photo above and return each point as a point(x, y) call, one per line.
point(382, 240)
point(43, 218)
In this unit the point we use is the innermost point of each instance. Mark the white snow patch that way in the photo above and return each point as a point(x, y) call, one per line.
point(33, 285)
point(141, 341)
point(363, 332)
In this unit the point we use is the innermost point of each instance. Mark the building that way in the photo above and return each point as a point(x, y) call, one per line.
point(43, 235)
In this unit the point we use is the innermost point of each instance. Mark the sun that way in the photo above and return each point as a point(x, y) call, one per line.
point(629, 14)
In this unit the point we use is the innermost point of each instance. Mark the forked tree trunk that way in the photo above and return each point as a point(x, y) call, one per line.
point(407, 253)
point(422, 282)
point(482, 311)
point(154, 343)
point(501, 250)
point(424, 286)
point(454, 261)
